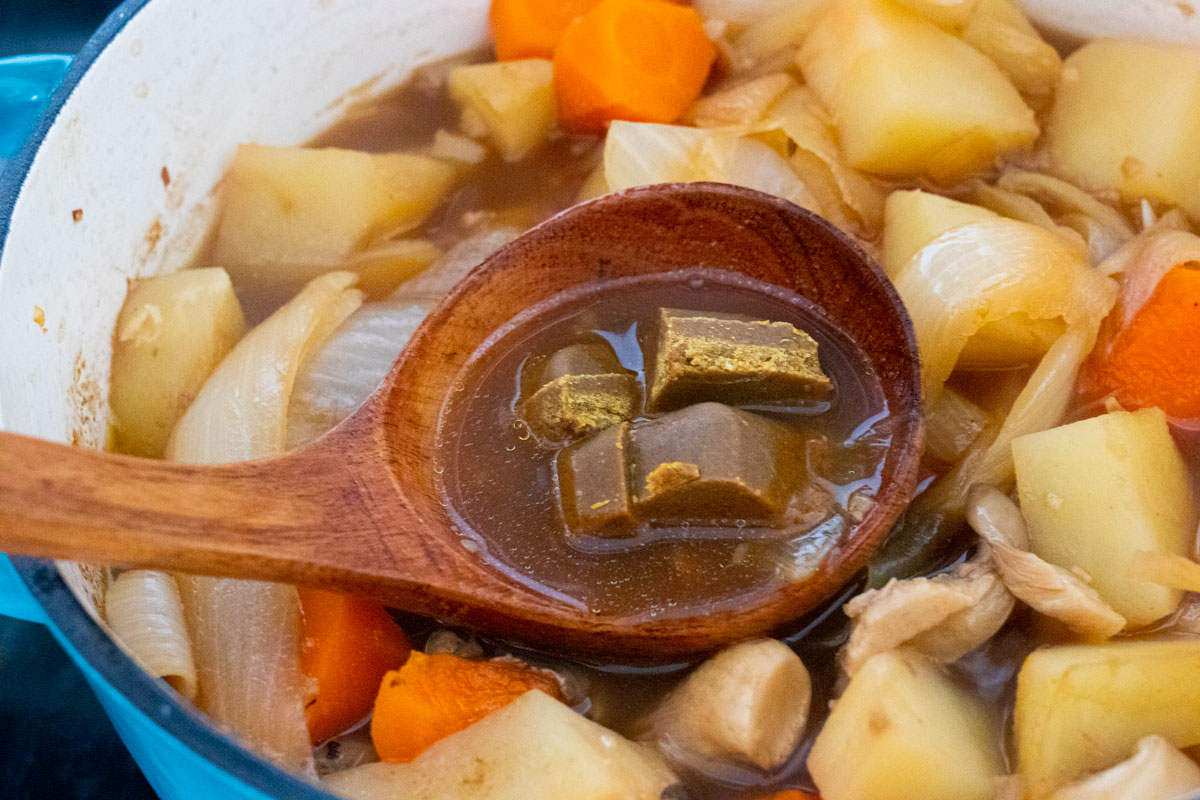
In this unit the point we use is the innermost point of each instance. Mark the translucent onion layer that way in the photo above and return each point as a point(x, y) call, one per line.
point(144, 611)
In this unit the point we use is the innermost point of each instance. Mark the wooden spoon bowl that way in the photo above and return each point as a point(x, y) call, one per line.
point(360, 509)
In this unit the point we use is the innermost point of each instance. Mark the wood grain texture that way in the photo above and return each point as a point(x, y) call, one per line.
point(361, 508)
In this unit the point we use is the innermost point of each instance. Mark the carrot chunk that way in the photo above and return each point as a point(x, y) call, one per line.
point(639, 60)
point(532, 28)
point(792, 794)
point(433, 696)
point(1155, 359)
point(349, 645)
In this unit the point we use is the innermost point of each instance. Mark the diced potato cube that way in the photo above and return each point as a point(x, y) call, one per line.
point(1127, 116)
point(903, 731)
point(1095, 492)
point(172, 332)
point(514, 99)
point(287, 206)
point(535, 748)
point(908, 98)
point(913, 218)
point(1083, 708)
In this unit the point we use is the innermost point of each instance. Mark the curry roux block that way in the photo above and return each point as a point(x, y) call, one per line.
point(712, 462)
point(578, 390)
point(593, 484)
point(733, 359)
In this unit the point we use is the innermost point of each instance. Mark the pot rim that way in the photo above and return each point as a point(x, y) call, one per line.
point(150, 696)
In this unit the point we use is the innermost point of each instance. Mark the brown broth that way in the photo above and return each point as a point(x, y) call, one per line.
point(500, 484)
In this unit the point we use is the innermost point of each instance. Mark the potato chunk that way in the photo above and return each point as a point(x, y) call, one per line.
point(535, 748)
point(172, 332)
point(1095, 492)
point(1127, 117)
point(903, 731)
point(513, 99)
point(287, 206)
point(1083, 708)
point(908, 98)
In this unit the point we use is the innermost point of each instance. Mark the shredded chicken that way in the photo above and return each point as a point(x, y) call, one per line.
point(1044, 587)
point(944, 617)
point(1156, 771)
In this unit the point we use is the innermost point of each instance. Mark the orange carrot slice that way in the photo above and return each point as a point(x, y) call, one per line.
point(349, 645)
point(639, 60)
point(433, 696)
point(1155, 359)
point(532, 28)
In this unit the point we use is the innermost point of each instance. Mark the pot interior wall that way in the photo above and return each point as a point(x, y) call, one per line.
point(122, 184)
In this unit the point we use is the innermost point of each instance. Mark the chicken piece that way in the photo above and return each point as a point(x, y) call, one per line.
point(747, 704)
point(1044, 587)
point(944, 617)
point(1155, 771)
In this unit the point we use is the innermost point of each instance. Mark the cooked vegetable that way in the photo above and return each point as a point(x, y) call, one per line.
point(1095, 492)
point(999, 30)
point(335, 380)
point(903, 731)
point(455, 147)
point(913, 218)
point(431, 697)
point(514, 99)
point(349, 644)
point(1155, 359)
point(845, 195)
point(172, 332)
point(632, 60)
point(772, 37)
point(1166, 569)
point(286, 207)
point(533, 748)
point(1156, 771)
point(950, 14)
point(638, 154)
point(241, 414)
point(744, 104)
point(144, 611)
point(1154, 89)
point(952, 425)
point(1083, 708)
point(985, 272)
point(380, 268)
point(908, 98)
point(747, 704)
point(532, 28)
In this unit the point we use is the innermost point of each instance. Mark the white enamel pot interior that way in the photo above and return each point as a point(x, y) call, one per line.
point(118, 183)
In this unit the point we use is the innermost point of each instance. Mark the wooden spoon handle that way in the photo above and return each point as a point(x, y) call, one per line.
point(264, 519)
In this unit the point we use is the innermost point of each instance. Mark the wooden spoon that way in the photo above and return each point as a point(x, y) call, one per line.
point(359, 509)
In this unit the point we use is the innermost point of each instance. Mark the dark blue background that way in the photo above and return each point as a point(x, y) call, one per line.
point(55, 742)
